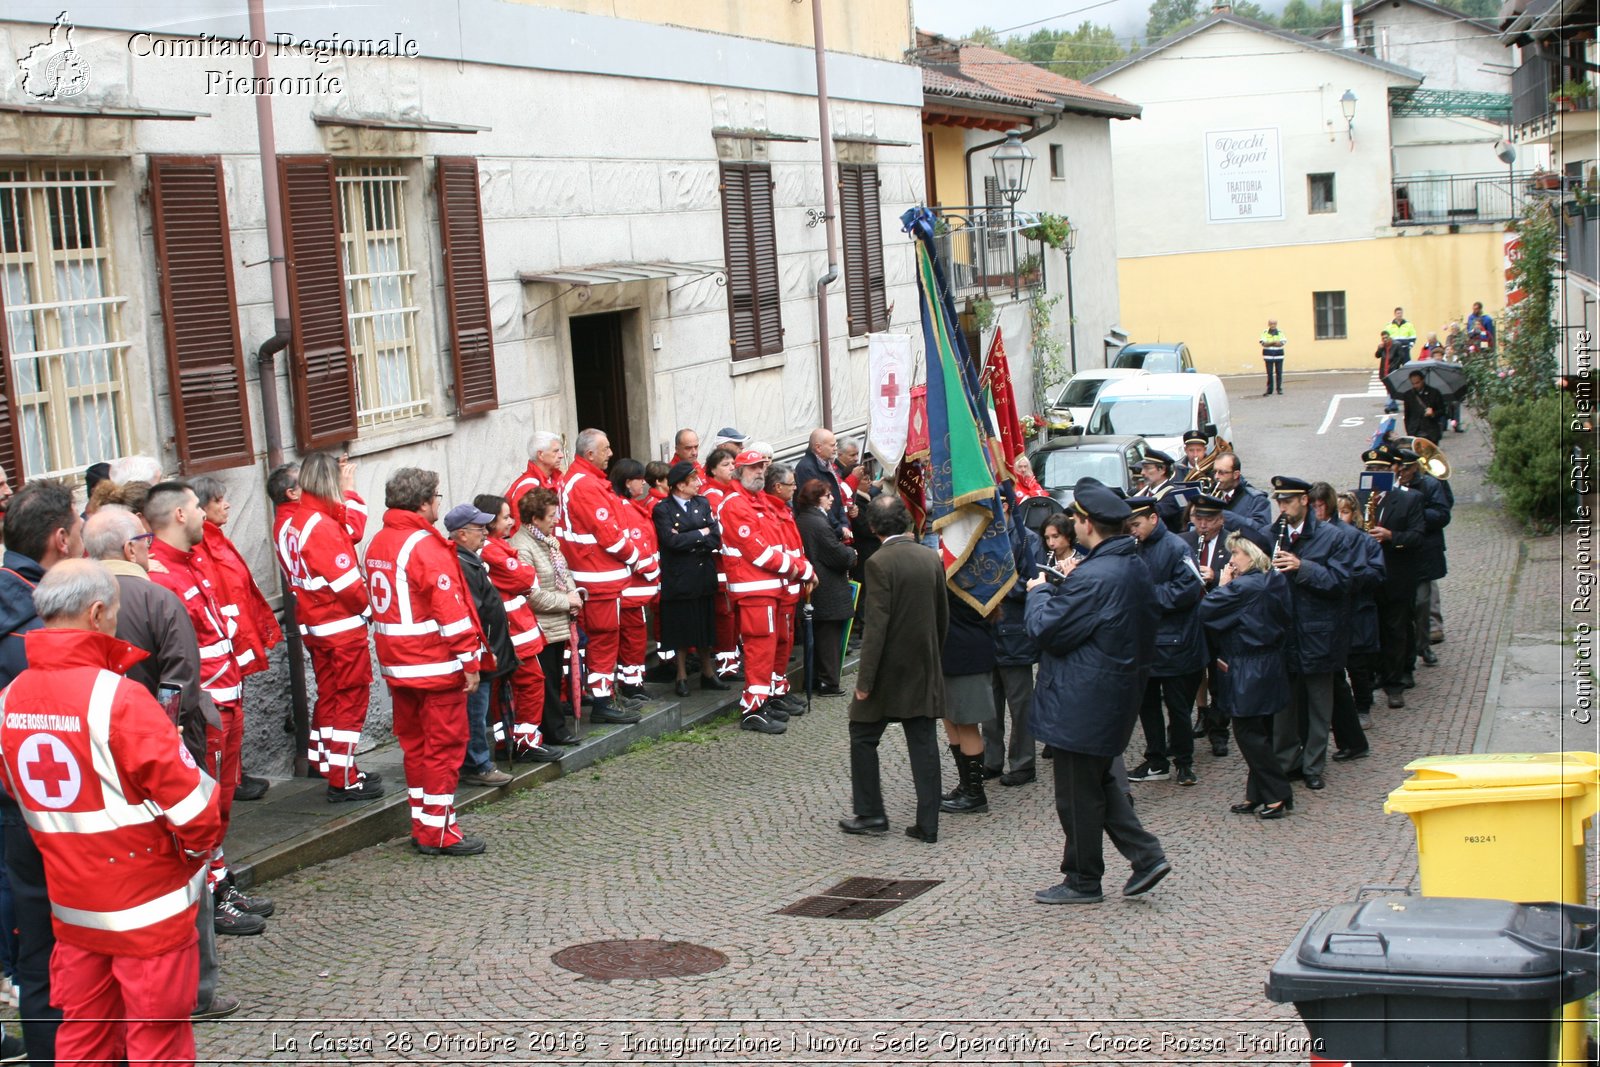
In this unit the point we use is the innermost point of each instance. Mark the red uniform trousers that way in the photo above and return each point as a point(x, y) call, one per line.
point(727, 633)
point(153, 997)
point(758, 625)
point(344, 686)
point(631, 645)
point(780, 660)
point(602, 622)
point(525, 689)
point(431, 726)
point(225, 747)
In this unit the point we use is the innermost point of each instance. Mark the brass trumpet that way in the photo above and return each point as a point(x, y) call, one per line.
point(1429, 456)
point(1201, 472)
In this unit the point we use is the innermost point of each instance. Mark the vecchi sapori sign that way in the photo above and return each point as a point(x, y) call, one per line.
point(1244, 175)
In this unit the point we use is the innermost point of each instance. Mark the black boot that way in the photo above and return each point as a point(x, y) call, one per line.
point(972, 799)
point(961, 773)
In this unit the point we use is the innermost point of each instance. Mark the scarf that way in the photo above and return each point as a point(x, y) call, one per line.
point(557, 562)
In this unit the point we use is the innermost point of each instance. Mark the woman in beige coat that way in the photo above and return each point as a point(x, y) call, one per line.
point(555, 602)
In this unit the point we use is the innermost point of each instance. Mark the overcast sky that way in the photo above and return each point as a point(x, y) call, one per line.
point(956, 17)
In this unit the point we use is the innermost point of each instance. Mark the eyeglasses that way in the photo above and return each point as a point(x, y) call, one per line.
point(147, 538)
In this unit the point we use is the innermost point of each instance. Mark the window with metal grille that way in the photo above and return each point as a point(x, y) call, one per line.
point(862, 224)
point(63, 327)
point(1328, 310)
point(378, 282)
point(1319, 194)
point(750, 243)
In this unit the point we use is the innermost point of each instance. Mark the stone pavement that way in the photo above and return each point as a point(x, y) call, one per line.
point(701, 835)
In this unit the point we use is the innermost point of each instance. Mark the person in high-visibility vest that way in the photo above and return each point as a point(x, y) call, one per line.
point(1272, 354)
point(1403, 334)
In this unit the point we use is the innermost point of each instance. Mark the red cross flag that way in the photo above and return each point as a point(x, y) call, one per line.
point(889, 372)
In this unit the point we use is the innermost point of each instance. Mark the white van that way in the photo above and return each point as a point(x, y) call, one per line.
point(1161, 408)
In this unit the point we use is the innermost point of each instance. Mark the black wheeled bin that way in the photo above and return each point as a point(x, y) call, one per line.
point(1437, 980)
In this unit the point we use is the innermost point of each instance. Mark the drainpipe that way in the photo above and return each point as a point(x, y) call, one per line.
point(825, 130)
point(966, 162)
point(267, 367)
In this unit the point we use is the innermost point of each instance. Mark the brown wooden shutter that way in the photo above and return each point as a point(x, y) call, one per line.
point(862, 226)
point(466, 284)
point(205, 361)
point(322, 369)
point(755, 293)
point(10, 439)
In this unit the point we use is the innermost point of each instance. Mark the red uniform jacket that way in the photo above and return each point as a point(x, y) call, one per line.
point(515, 581)
point(600, 554)
point(242, 602)
point(428, 634)
point(716, 492)
point(635, 515)
point(532, 478)
point(188, 574)
point(123, 817)
point(318, 551)
point(757, 562)
point(786, 533)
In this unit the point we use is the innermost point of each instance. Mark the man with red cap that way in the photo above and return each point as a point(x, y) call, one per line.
point(758, 567)
point(430, 651)
point(99, 771)
point(603, 561)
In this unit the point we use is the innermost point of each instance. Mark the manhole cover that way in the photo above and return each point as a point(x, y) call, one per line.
point(882, 888)
point(839, 908)
point(645, 958)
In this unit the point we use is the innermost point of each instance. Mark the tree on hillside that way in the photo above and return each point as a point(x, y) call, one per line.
point(1086, 50)
point(1252, 10)
point(1169, 16)
point(1303, 17)
point(985, 36)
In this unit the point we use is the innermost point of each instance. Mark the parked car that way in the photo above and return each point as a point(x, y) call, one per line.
point(1157, 359)
point(1073, 401)
point(1161, 408)
point(1060, 463)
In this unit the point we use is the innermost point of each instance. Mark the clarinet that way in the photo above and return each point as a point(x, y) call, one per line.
point(1280, 535)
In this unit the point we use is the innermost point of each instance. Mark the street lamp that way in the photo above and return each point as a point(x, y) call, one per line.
point(1347, 103)
point(1012, 164)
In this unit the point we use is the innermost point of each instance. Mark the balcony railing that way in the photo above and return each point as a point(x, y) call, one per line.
point(1436, 199)
point(1531, 86)
point(1582, 249)
point(981, 248)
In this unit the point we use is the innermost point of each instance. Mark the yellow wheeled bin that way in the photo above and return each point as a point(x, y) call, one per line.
point(1505, 826)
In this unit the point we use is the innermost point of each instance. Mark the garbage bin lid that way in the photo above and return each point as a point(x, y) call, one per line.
point(1499, 770)
point(1442, 936)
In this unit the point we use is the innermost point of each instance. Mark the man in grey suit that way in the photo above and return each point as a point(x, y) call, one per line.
point(900, 678)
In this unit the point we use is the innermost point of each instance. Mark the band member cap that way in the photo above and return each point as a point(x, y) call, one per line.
point(1283, 485)
point(1155, 455)
point(1208, 505)
point(1094, 501)
point(1142, 505)
point(1197, 436)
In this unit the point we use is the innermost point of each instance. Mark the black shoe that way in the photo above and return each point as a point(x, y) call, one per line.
point(1249, 807)
point(363, 789)
point(708, 682)
point(1267, 393)
point(565, 740)
point(611, 714)
point(1314, 781)
point(1219, 748)
point(926, 836)
point(1397, 699)
point(1019, 777)
point(1277, 811)
point(535, 754)
point(972, 800)
point(1062, 893)
point(681, 687)
point(1280, 392)
point(829, 691)
point(774, 712)
point(1150, 772)
point(229, 920)
point(626, 704)
point(1430, 658)
point(221, 1007)
point(961, 773)
point(1345, 754)
point(1144, 881)
point(236, 897)
point(1408, 681)
point(865, 824)
point(1186, 776)
point(634, 692)
point(251, 788)
point(1296, 775)
point(964, 804)
point(761, 724)
point(467, 846)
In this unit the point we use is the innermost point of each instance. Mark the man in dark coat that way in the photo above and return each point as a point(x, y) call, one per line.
point(1437, 504)
point(1425, 408)
point(900, 677)
point(1096, 632)
point(469, 529)
point(1364, 560)
point(1014, 655)
point(1180, 655)
point(1207, 545)
point(818, 463)
point(1400, 526)
point(1238, 496)
point(1156, 470)
point(1308, 554)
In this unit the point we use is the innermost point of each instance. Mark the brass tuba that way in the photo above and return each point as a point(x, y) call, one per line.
point(1201, 472)
point(1429, 456)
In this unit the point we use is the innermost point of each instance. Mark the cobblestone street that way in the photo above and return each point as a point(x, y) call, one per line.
point(703, 836)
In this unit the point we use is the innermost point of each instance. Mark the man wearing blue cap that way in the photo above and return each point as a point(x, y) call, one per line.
point(1096, 631)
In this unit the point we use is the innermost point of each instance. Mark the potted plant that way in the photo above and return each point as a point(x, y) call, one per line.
point(1544, 179)
point(1053, 230)
point(1573, 95)
point(1028, 269)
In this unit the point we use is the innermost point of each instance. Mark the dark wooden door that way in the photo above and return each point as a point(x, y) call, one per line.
point(599, 378)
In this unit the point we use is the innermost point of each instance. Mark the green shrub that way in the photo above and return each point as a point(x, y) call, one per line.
point(1530, 461)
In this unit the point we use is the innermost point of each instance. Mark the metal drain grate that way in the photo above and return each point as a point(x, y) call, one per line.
point(860, 898)
point(647, 958)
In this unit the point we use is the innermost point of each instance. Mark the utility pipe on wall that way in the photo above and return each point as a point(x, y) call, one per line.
point(825, 136)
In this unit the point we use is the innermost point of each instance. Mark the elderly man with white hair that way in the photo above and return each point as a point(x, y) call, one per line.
point(544, 468)
point(818, 463)
point(127, 469)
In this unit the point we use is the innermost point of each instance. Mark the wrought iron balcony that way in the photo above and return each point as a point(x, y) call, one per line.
point(1439, 199)
point(1581, 249)
point(981, 248)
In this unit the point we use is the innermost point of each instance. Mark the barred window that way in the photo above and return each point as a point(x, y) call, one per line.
point(62, 318)
point(378, 285)
point(1327, 310)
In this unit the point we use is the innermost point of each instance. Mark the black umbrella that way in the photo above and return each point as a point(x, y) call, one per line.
point(508, 723)
point(1449, 378)
point(806, 613)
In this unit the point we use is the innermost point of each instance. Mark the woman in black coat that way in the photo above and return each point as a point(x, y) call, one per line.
point(690, 542)
point(1250, 616)
point(831, 600)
